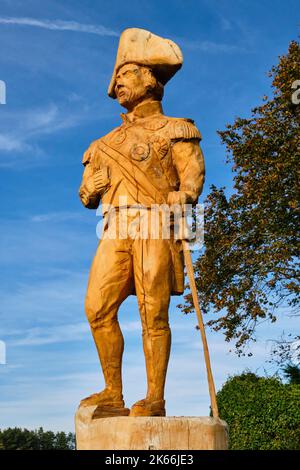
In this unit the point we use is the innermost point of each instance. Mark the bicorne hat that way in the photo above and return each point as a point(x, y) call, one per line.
point(141, 47)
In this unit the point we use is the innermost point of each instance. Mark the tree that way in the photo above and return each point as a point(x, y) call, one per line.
point(46, 439)
point(64, 441)
point(250, 267)
point(262, 413)
point(23, 439)
point(18, 439)
point(292, 374)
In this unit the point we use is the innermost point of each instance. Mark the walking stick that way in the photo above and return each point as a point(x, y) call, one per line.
point(191, 276)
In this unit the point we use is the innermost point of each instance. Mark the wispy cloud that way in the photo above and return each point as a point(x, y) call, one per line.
point(59, 25)
point(52, 335)
point(8, 143)
point(61, 216)
point(23, 125)
point(21, 129)
point(211, 46)
point(226, 24)
point(43, 335)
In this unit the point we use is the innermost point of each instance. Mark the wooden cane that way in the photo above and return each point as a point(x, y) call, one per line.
point(191, 276)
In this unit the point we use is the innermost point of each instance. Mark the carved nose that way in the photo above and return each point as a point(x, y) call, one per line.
point(119, 88)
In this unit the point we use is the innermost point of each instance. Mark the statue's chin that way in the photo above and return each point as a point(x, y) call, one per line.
point(124, 103)
point(130, 102)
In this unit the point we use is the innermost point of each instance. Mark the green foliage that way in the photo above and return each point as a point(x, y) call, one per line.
point(262, 413)
point(23, 439)
point(250, 267)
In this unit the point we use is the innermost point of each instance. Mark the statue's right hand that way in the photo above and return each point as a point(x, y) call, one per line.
point(101, 179)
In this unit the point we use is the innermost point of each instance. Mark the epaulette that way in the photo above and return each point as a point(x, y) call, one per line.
point(181, 128)
point(88, 154)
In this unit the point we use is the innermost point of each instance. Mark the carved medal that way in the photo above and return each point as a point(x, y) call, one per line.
point(160, 145)
point(140, 151)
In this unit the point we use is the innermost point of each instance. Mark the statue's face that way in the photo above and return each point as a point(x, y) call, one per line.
point(130, 86)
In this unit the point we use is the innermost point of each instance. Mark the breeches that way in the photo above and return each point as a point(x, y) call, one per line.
point(122, 267)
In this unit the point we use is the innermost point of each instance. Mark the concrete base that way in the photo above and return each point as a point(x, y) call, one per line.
point(149, 433)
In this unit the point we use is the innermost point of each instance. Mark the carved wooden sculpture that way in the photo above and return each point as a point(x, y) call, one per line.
point(150, 159)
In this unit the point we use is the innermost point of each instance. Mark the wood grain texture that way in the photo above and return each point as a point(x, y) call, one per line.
point(149, 433)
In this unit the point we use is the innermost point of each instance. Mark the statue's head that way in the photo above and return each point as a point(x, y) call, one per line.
point(144, 64)
point(135, 83)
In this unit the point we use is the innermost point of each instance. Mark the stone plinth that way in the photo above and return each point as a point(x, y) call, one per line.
point(149, 433)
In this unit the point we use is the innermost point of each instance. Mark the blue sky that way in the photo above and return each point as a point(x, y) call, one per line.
point(56, 59)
